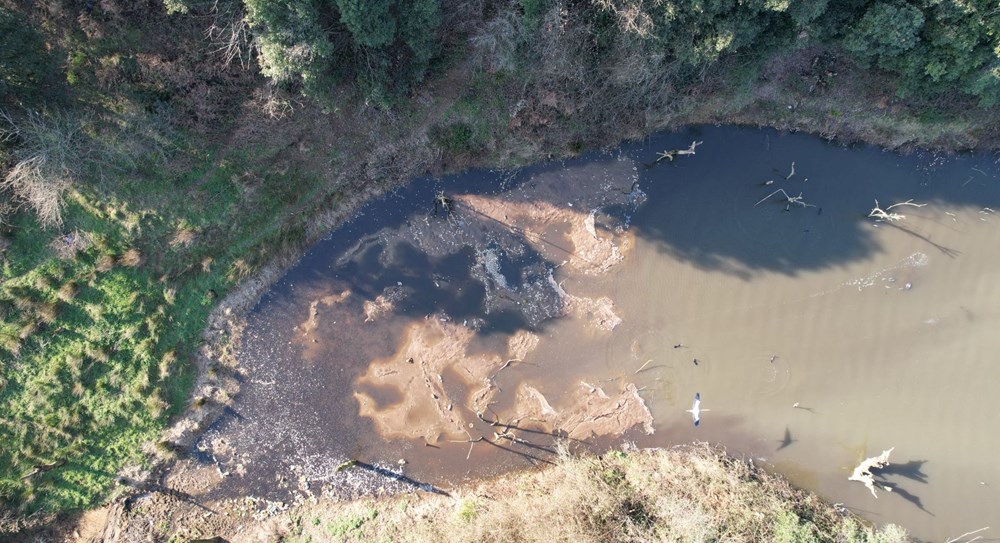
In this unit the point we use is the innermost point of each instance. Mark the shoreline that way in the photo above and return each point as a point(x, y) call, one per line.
point(215, 381)
point(217, 366)
point(241, 177)
point(689, 492)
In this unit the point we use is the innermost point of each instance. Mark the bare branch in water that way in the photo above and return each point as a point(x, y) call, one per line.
point(671, 154)
point(789, 200)
point(880, 214)
point(863, 473)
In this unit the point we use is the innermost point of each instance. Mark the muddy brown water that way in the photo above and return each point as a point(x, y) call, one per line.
point(582, 304)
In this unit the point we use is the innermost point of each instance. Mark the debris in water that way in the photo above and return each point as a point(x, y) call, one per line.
point(863, 473)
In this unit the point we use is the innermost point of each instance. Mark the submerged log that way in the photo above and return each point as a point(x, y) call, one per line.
point(671, 154)
point(863, 473)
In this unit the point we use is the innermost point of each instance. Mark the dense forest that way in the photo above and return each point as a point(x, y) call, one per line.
point(155, 153)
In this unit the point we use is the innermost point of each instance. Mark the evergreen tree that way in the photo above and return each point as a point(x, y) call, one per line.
point(294, 47)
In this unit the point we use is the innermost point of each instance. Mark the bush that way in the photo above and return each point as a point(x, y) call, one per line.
point(934, 48)
point(455, 137)
point(46, 162)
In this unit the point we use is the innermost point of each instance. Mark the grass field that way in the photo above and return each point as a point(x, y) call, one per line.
point(99, 318)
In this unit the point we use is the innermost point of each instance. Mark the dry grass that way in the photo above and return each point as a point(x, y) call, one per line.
point(131, 258)
point(695, 493)
point(183, 237)
point(67, 246)
point(105, 262)
point(46, 164)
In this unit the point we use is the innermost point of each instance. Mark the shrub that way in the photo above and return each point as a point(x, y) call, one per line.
point(47, 161)
point(455, 137)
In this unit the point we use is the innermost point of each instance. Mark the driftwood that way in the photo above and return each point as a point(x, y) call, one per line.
point(863, 473)
point(967, 534)
point(880, 214)
point(789, 200)
point(443, 203)
point(676, 152)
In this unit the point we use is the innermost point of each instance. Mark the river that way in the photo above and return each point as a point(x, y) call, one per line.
point(465, 326)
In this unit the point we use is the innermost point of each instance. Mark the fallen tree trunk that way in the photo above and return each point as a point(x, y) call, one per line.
point(863, 473)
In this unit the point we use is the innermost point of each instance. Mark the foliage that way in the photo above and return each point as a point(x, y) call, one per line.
point(789, 528)
point(936, 47)
point(370, 22)
point(384, 45)
point(351, 525)
point(886, 31)
point(97, 323)
point(693, 34)
point(293, 46)
point(28, 72)
point(455, 137)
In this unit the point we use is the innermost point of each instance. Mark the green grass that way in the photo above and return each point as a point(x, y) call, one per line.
point(94, 345)
point(350, 525)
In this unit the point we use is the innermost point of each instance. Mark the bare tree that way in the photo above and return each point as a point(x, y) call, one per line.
point(229, 34)
point(632, 17)
point(495, 43)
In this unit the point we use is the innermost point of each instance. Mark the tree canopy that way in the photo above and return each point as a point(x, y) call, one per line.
point(383, 44)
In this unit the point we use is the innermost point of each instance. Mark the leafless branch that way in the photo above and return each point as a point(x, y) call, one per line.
point(642, 367)
point(229, 34)
point(676, 152)
point(880, 214)
point(967, 534)
point(863, 473)
point(789, 200)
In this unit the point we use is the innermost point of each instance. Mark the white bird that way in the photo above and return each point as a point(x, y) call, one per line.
point(696, 409)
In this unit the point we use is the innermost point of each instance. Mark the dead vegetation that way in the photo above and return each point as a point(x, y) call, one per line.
point(670, 155)
point(47, 161)
point(863, 473)
point(695, 493)
point(887, 215)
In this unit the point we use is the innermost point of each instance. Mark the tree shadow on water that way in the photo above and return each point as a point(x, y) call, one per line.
point(721, 209)
point(399, 477)
point(912, 470)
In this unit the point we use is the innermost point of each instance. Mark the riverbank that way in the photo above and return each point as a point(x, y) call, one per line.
point(231, 219)
point(691, 493)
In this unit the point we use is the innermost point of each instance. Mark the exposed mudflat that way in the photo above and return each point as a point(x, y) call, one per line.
point(471, 325)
